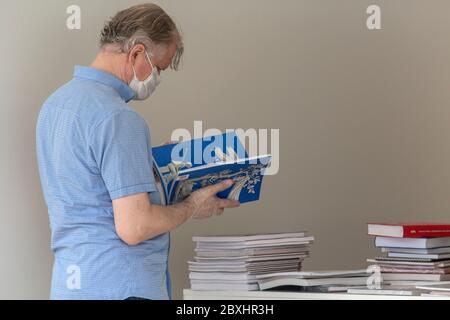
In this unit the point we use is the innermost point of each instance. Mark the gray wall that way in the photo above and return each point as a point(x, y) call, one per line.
point(364, 117)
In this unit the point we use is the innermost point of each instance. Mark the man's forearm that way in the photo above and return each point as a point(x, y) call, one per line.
point(138, 220)
point(157, 220)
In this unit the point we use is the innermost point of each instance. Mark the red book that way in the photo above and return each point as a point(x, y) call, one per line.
point(409, 230)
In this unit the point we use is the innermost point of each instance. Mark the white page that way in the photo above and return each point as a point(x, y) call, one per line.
point(418, 256)
point(318, 274)
point(249, 237)
point(241, 245)
point(444, 286)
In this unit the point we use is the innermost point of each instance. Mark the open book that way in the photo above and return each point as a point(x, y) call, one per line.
point(188, 166)
point(345, 278)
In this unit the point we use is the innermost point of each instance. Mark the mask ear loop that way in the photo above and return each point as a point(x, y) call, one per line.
point(134, 71)
point(158, 75)
point(151, 63)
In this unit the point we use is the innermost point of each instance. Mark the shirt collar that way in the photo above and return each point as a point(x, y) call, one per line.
point(89, 73)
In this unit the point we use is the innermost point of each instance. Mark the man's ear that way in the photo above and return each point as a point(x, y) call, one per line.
point(135, 51)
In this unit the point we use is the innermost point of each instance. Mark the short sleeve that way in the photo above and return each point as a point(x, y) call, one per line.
point(121, 147)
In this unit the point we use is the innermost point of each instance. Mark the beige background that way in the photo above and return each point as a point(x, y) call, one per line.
point(364, 117)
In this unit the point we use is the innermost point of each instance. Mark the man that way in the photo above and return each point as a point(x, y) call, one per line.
point(110, 235)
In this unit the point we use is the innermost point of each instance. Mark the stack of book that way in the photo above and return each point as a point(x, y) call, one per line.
point(415, 254)
point(234, 262)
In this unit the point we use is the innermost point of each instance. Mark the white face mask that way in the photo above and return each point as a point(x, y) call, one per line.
point(144, 89)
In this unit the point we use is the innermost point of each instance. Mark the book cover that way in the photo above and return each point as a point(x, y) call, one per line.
point(188, 166)
point(412, 243)
point(409, 230)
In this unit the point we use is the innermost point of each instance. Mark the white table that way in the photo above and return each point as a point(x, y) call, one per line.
point(274, 295)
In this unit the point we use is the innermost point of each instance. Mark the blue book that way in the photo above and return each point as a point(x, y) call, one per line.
point(188, 166)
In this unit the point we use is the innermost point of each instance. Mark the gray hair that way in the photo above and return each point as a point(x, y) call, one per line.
point(146, 24)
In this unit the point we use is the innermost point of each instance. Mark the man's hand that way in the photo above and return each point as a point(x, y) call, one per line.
point(205, 203)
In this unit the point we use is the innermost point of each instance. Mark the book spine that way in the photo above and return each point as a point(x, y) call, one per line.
point(426, 231)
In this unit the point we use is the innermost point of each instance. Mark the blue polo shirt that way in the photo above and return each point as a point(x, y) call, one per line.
point(92, 149)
